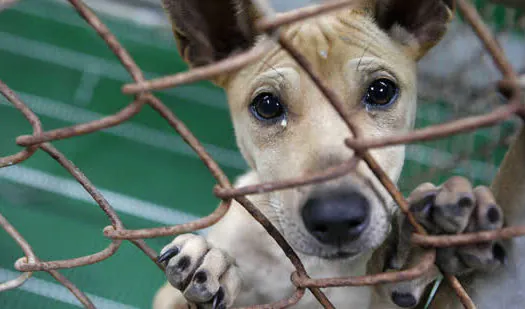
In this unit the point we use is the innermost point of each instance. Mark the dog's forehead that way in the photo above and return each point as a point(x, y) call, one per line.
point(342, 48)
point(330, 41)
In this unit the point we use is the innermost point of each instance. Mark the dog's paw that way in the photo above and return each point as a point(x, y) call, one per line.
point(206, 276)
point(453, 208)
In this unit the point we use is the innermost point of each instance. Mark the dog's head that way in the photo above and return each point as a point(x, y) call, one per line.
point(285, 127)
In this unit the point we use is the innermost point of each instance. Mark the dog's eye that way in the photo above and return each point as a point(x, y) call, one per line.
point(267, 106)
point(381, 92)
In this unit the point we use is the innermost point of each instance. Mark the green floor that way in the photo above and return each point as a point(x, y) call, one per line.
point(66, 75)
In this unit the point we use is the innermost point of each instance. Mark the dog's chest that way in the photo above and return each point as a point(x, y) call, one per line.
point(341, 297)
point(267, 280)
point(344, 298)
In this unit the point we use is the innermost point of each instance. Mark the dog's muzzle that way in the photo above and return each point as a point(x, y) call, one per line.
point(337, 218)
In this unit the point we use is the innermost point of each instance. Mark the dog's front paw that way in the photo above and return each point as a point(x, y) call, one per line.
point(453, 208)
point(206, 276)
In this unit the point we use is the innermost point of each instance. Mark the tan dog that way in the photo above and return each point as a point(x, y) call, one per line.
point(286, 128)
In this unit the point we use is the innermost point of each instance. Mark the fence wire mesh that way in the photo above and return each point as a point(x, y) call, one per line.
point(142, 91)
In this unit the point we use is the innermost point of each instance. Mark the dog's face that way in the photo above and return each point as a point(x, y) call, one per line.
point(286, 128)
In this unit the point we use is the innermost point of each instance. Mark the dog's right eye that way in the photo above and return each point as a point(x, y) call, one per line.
point(267, 106)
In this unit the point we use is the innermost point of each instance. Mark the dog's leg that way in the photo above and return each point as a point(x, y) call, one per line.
point(504, 288)
point(501, 288)
point(256, 258)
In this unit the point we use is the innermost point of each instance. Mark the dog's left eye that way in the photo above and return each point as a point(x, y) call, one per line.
point(381, 92)
point(267, 106)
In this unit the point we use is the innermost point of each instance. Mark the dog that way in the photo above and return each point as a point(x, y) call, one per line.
point(367, 53)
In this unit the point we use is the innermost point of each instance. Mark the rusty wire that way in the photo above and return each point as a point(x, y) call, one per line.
point(141, 88)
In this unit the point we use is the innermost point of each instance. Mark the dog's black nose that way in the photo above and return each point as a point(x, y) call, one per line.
point(338, 218)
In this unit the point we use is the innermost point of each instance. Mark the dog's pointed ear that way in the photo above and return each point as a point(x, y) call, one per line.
point(207, 31)
point(417, 24)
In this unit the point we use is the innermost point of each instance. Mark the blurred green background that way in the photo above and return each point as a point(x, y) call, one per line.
point(66, 74)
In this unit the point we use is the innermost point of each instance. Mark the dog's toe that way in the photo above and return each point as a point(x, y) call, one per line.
point(408, 294)
point(230, 286)
point(189, 251)
point(488, 215)
point(454, 205)
point(451, 262)
point(216, 283)
point(488, 256)
point(205, 282)
point(480, 257)
point(231, 281)
point(485, 257)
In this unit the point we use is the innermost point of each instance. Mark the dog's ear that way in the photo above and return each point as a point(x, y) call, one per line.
point(417, 24)
point(210, 30)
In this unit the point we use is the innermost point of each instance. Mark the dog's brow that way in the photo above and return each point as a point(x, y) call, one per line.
point(361, 58)
point(368, 65)
point(369, 62)
point(280, 74)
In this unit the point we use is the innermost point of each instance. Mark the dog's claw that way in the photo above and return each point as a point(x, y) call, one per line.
point(404, 300)
point(218, 300)
point(499, 253)
point(168, 255)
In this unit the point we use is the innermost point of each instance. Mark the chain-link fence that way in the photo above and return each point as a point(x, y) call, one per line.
point(40, 141)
